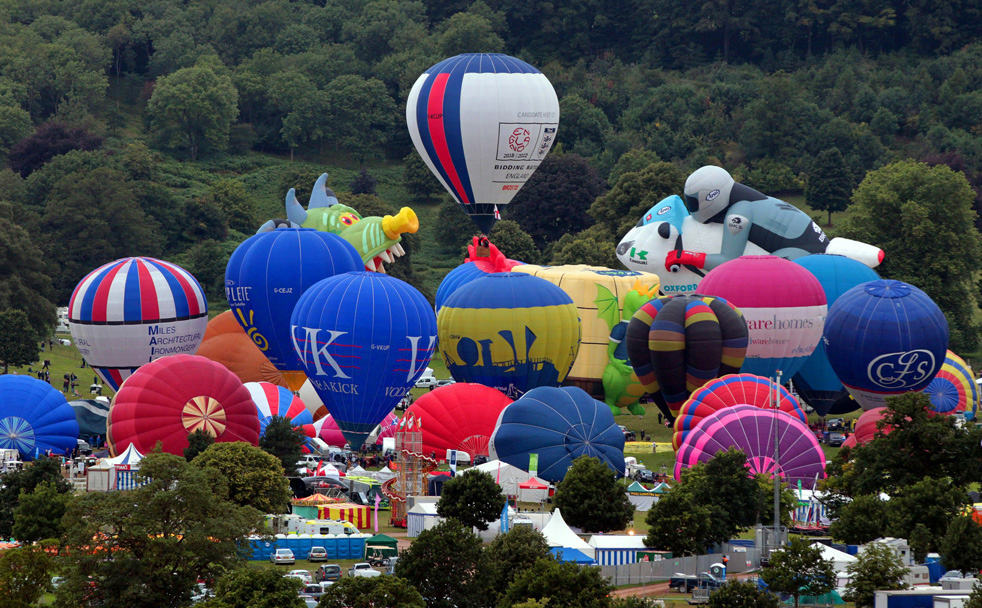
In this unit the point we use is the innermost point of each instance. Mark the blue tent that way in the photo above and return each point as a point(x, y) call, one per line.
point(565, 554)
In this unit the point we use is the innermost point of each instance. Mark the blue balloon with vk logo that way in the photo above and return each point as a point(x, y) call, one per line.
point(885, 338)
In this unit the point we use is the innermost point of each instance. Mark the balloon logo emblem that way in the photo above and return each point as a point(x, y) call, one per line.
point(253, 332)
point(204, 414)
point(520, 138)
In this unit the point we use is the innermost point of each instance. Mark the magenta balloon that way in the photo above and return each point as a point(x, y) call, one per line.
point(751, 430)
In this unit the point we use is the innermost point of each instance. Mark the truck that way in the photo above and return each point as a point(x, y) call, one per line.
point(685, 583)
point(363, 569)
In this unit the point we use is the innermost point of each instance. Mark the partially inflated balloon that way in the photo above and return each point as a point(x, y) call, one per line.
point(272, 400)
point(227, 343)
point(678, 343)
point(170, 398)
point(35, 418)
point(134, 310)
point(510, 331)
point(953, 389)
point(885, 338)
point(459, 416)
point(326, 429)
point(265, 277)
point(364, 338)
point(482, 123)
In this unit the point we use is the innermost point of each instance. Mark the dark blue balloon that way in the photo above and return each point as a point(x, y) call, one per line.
point(364, 338)
point(816, 382)
point(885, 338)
point(560, 424)
point(268, 273)
point(35, 418)
point(461, 275)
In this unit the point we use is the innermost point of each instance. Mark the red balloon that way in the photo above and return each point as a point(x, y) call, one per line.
point(168, 399)
point(458, 416)
point(866, 426)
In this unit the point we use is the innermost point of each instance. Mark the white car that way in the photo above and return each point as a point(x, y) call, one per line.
point(426, 381)
point(363, 569)
point(282, 556)
point(303, 575)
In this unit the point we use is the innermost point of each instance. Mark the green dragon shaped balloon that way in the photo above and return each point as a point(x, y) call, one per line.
point(621, 386)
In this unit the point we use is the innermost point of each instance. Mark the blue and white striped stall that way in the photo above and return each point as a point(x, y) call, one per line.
point(616, 549)
point(421, 516)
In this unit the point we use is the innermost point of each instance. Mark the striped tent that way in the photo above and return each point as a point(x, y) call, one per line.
point(360, 515)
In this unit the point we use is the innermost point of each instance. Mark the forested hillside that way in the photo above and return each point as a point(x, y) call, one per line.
point(173, 129)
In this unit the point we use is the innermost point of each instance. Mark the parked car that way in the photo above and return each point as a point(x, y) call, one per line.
point(836, 439)
point(315, 590)
point(363, 569)
point(628, 434)
point(685, 583)
point(282, 556)
point(317, 554)
point(328, 572)
point(445, 381)
point(644, 475)
point(426, 381)
point(309, 600)
point(303, 575)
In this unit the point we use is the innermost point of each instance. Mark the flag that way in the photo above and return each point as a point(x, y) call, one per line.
point(497, 478)
point(504, 518)
point(533, 464)
point(452, 461)
point(497, 214)
point(378, 499)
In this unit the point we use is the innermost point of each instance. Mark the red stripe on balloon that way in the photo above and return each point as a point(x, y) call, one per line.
point(100, 304)
point(434, 120)
point(149, 307)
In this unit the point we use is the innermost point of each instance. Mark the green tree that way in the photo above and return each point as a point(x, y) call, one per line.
point(920, 540)
point(514, 242)
point(877, 567)
point(18, 340)
point(232, 198)
point(961, 547)
point(555, 199)
point(38, 513)
point(284, 441)
point(975, 598)
point(742, 594)
point(192, 109)
point(585, 127)
point(679, 524)
point(799, 569)
point(42, 470)
point(632, 194)
point(25, 574)
point(454, 227)
point(510, 554)
point(360, 115)
point(591, 498)
point(473, 499)
point(253, 477)
point(166, 534)
point(829, 184)
point(444, 565)
point(912, 210)
point(860, 520)
point(15, 125)
point(933, 502)
point(588, 247)
point(568, 585)
point(198, 442)
point(361, 592)
point(421, 184)
point(467, 33)
point(247, 587)
point(24, 281)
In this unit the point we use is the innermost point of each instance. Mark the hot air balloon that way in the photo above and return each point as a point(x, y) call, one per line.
point(953, 389)
point(730, 390)
point(816, 381)
point(482, 123)
point(327, 430)
point(510, 331)
point(227, 343)
point(752, 430)
point(784, 307)
point(35, 418)
point(866, 427)
point(885, 338)
point(560, 425)
point(265, 277)
point(459, 416)
point(91, 416)
point(363, 338)
point(134, 310)
point(678, 343)
point(170, 398)
point(482, 258)
point(272, 400)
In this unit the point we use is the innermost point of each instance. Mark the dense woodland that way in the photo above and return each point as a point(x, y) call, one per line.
point(173, 128)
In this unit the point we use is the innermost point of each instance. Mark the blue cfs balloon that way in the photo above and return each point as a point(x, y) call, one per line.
point(885, 338)
point(35, 418)
point(266, 275)
point(559, 424)
point(364, 338)
point(816, 382)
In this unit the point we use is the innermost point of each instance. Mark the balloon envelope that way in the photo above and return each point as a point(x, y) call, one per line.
point(227, 343)
point(752, 431)
point(784, 307)
point(678, 343)
point(35, 418)
point(510, 331)
point(482, 123)
point(459, 416)
point(559, 425)
point(364, 338)
point(816, 381)
point(885, 338)
point(91, 416)
point(133, 311)
point(265, 277)
point(866, 430)
point(730, 390)
point(328, 432)
point(953, 389)
point(170, 398)
point(272, 400)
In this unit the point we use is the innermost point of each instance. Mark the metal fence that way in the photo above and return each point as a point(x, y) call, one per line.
point(661, 570)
